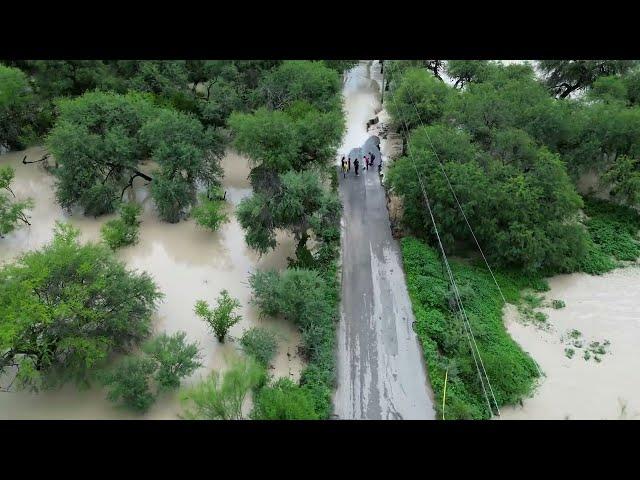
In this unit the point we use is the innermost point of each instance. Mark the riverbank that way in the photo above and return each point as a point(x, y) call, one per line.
point(187, 262)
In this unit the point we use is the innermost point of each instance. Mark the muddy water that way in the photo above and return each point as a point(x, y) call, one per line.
point(187, 262)
point(361, 103)
point(602, 308)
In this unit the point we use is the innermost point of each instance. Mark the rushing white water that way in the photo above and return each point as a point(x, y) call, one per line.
point(602, 308)
point(187, 262)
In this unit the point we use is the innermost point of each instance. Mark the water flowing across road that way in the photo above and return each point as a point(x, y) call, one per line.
point(381, 371)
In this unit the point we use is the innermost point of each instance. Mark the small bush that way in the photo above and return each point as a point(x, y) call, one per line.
point(284, 400)
point(175, 358)
point(260, 343)
point(222, 318)
point(129, 384)
point(557, 304)
point(124, 230)
point(209, 213)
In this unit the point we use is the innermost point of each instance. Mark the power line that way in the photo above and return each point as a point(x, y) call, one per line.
point(475, 352)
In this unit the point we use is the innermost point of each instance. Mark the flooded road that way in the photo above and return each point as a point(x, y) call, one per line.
point(188, 263)
point(601, 308)
point(381, 372)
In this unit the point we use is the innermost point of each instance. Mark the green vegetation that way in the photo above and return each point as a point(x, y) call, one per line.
point(209, 213)
point(284, 400)
point(261, 344)
point(221, 396)
point(309, 299)
point(222, 317)
point(174, 357)
point(12, 212)
point(128, 383)
point(557, 304)
point(66, 307)
point(16, 108)
point(137, 379)
point(124, 230)
point(511, 371)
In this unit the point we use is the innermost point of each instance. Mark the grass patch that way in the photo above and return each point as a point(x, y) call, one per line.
point(511, 371)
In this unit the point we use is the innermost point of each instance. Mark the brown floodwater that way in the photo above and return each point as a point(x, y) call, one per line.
point(187, 262)
point(605, 307)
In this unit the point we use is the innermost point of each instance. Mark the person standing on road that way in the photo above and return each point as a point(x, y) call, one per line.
point(356, 164)
point(344, 168)
point(372, 157)
point(349, 169)
point(366, 162)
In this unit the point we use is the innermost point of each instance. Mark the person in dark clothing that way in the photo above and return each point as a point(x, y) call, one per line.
point(349, 169)
point(372, 156)
point(356, 164)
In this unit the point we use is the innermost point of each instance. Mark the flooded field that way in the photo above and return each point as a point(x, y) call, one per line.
point(602, 308)
point(187, 262)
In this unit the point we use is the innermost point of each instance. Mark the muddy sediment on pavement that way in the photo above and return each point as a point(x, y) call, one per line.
point(187, 262)
point(601, 308)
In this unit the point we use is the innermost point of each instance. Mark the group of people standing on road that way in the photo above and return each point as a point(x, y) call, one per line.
point(368, 162)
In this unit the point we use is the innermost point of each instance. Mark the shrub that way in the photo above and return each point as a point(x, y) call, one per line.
point(209, 213)
point(260, 343)
point(284, 400)
point(175, 358)
point(222, 396)
point(124, 230)
point(222, 318)
point(129, 383)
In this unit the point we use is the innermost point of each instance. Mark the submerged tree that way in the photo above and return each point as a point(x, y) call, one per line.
point(222, 317)
point(66, 307)
point(175, 358)
point(222, 395)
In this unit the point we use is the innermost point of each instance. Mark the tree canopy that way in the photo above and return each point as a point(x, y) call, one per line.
point(66, 307)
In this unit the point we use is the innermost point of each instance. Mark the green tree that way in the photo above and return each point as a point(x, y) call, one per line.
point(129, 383)
point(260, 343)
point(221, 396)
point(175, 358)
point(300, 205)
point(466, 71)
point(284, 400)
point(310, 81)
point(417, 97)
point(566, 76)
point(221, 318)
point(12, 212)
point(17, 107)
point(185, 153)
point(521, 203)
point(210, 212)
point(66, 307)
point(95, 141)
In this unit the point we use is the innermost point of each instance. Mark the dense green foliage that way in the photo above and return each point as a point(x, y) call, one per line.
point(308, 299)
point(566, 76)
point(129, 383)
point(136, 380)
point(210, 213)
point(12, 211)
point(174, 357)
point(124, 230)
point(222, 317)
point(284, 400)
point(261, 344)
point(100, 139)
point(66, 307)
point(221, 396)
point(16, 108)
point(511, 371)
